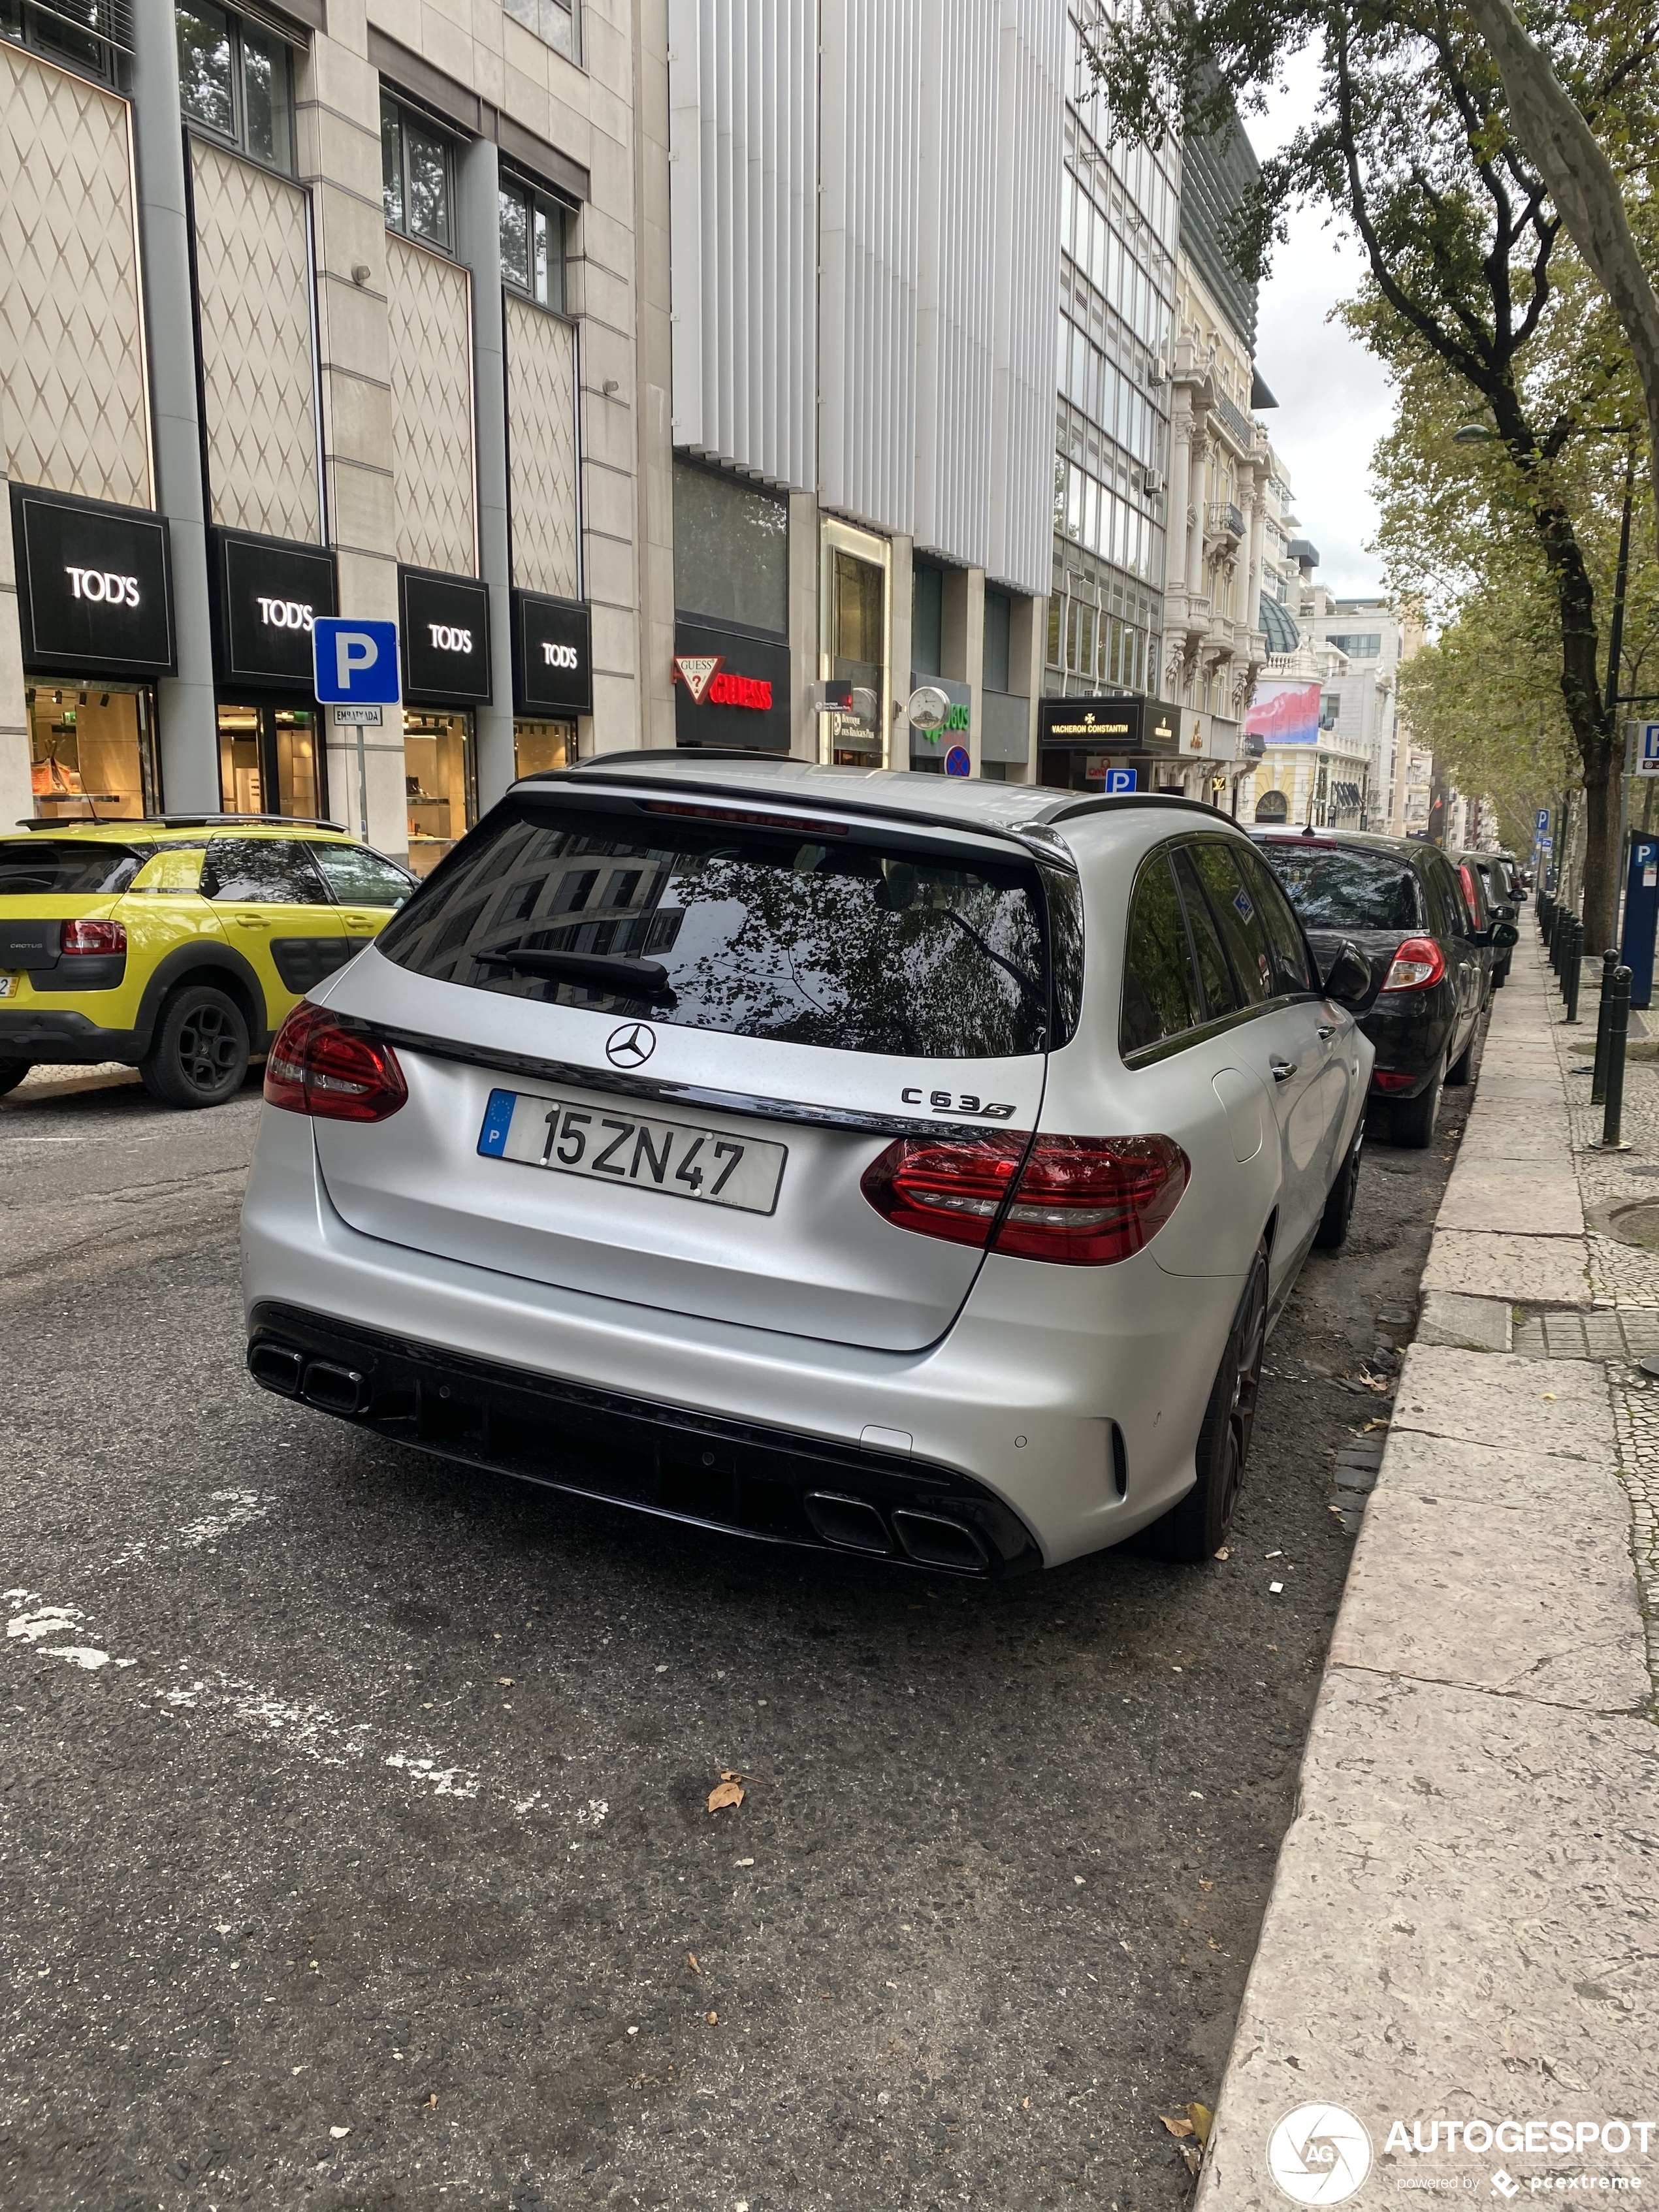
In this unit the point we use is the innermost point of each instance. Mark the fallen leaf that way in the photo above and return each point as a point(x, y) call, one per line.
point(1205, 1886)
point(724, 1794)
point(339, 2134)
point(1226, 1553)
point(1025, 2104)
point(503, 1681)
point(1203, 2120)
point(714, 2019)
point(691, 1961)
point(1549, 1397)
point(1370, 1426)
point(431, 2102)
point(732, 1774)
point(1193, 2158)
point(1176, 2127)
point(745, 1862)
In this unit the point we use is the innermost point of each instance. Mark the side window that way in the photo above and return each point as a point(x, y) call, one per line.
point(1445, 898)
point(359, 878)
point(1291, 967)
point(1239, 919)
point(262, 872)
point(1474, 894)
point(1160, 991)
point(1215, 977)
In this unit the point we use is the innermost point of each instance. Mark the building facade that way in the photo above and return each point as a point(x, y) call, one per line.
point(309, 311)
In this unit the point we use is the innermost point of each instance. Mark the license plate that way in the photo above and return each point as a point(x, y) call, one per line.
point(9, 985)
point(612, 1146)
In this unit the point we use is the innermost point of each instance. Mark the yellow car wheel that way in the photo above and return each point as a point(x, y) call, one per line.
point(12, 1073)
point(199, 1053)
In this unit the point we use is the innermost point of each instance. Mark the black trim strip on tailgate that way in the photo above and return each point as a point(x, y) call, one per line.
point(629, 1084)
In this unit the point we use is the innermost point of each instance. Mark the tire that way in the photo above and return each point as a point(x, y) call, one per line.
point(1196, 1529)
point(1466, 1068)
point(199, 1055)
point(12, 1073)
point(1411, 1121)
point(1332, 1233)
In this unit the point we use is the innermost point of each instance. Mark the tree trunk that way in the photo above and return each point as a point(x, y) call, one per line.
point(1587, 714)
point(1562, 147)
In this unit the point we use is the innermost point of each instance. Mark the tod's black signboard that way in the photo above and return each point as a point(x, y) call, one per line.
point(94, 587)
point(552, 655)
point(267, 593)
point(445, 629)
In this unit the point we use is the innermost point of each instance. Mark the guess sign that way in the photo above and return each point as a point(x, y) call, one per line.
point(445, 634)
point(732, 688)
point(729, 689)
point(94, 587)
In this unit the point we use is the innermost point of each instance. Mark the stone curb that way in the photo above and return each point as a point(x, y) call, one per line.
point(1464, 1909)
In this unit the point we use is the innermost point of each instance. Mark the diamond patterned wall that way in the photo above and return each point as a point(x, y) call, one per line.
point(541, 435)
point(253, 278)
point(72, 397)
point(430, 307)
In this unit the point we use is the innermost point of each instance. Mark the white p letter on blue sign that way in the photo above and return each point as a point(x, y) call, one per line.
point(354, 662)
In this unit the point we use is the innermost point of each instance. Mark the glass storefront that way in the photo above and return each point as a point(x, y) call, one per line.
point(537, 746)
point(92, 751)
point(270, 760)
point(854, 645)
point(441, 782)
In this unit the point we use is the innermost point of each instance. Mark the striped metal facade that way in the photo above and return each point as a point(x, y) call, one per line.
point(865, 241)
point(743, 192)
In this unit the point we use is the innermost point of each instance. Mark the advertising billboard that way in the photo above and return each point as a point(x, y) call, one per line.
point(1285, 711)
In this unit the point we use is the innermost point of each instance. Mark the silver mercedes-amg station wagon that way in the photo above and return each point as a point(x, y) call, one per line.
point(875, 1162)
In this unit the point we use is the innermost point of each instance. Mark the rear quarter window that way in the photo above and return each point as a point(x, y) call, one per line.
point(829, 935)
point(1160, 988)
point(37, 867)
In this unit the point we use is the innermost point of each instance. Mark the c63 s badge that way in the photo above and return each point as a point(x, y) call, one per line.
point(953, 1102)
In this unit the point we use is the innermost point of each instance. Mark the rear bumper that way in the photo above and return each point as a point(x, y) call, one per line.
point(675, 1461)
point(1071, 1402)
point(54, 1035)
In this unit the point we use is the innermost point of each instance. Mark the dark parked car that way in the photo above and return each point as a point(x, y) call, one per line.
point(1404, 905)
point(1495, 873)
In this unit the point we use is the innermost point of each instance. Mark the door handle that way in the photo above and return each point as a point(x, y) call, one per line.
point(1282, 1070)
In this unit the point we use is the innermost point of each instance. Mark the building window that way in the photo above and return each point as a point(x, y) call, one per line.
point(417, 176)
point(1366, 645)
point(236, 80)
point(553, 22)
point(532, 244)
point(93, 37)
point(730, 551)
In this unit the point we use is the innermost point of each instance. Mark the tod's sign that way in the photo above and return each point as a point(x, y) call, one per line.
point(94, 587)
point(268, 594)
point(552, 655)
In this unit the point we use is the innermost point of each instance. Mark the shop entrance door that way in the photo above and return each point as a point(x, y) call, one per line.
point(270, 761)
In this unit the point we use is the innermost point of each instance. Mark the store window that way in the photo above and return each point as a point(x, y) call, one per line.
point(539, 747)
point(417, 176)
point(92, 751)
point(51, 29)
point(270, 761)
point(442, 782)
point(730, 551)
point(855, 646)
point(532, 243)
point(236, 80)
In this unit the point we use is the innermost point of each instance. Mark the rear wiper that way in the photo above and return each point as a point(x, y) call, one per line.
point(1027, 982)
point(634, 978)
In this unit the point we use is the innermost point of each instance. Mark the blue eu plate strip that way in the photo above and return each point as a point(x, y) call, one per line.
point(497, 1121)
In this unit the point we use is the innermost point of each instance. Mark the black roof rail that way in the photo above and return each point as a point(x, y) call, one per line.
point(184, 822)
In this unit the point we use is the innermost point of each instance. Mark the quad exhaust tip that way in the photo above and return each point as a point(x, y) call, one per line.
point(853, 1524)
point(321, 1382)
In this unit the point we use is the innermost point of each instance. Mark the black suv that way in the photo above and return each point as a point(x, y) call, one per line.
point(1404, 905)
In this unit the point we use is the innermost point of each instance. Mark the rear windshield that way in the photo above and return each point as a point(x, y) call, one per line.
point(31, 867)
point(819, 935)
point(1338, 887)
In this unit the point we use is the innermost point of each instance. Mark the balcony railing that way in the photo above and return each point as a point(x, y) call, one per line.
point(1227, 520)
point(1236, 420)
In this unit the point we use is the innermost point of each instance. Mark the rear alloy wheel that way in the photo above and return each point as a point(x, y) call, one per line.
point(199, 1053)
point(1333, 1230)
point(12, 1073)
point(1411, 1121)
point(1197, 1527)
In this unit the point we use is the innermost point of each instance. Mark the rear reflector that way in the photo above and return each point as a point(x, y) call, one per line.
point(1079, 1202)
point(319, 1066)
point(1418, 963)
point(93, 937)
point(1388, 1078)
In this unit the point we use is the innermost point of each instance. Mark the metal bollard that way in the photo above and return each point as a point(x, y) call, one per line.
point(1618, 1030)
point(1546, 917)
point(1603, 1017)
point(1575, 966)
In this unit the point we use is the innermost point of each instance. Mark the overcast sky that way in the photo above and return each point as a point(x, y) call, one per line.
point(1334, 400)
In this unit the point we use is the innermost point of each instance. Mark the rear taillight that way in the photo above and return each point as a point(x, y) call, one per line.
point(1079, 1202)
point(318, 1065)
point(1418, 963)
point(93, 937)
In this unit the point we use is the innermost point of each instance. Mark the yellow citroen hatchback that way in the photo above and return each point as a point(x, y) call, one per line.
point(178, 944)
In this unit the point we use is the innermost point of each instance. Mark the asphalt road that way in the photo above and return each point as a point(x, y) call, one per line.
point(355, 1847)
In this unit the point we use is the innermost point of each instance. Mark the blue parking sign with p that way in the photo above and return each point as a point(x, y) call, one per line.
point(1543, 822)
point(356, 663)
point(1120, 778)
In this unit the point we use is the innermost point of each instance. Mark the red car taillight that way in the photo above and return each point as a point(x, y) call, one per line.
point(319, 1066)
point(1080, 1201)
point(1416, 965)
point(93, 937)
